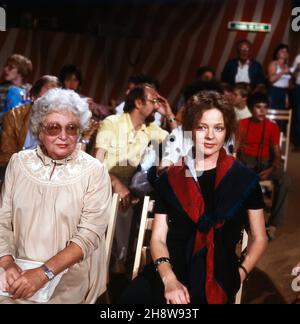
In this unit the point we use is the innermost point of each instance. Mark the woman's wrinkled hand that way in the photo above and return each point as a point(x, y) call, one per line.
point(11, 272)
point(29, 282)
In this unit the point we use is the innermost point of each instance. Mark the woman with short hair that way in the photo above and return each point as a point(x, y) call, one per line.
point(17, 71)
point(54, 208)
point(201, 207)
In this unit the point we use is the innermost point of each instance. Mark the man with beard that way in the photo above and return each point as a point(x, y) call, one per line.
point(121, 142)
point(133, 81)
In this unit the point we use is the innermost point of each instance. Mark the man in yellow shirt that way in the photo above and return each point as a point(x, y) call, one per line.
point(121, 142)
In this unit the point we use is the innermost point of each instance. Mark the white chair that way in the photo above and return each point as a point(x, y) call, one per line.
point(283, 115)
point(238, 296)
point(141, 248)
point(109, 236)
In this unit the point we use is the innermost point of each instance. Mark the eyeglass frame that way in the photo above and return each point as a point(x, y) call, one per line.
point(154, 101)
point(44, 127)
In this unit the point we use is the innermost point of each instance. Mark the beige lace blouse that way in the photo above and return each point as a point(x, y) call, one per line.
point(44, 205)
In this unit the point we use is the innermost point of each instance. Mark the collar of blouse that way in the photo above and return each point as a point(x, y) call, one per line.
point(47, 160)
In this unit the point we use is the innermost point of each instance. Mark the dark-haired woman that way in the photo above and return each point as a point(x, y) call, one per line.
point(279, 77)
point(202, 204)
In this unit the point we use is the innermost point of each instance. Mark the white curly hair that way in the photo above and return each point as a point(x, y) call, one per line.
point(58, 101)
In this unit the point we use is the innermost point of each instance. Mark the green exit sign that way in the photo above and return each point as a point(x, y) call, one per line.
point(249, 26)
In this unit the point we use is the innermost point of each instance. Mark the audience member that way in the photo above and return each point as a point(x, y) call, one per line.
point(16, 73)
point(279, 77)
point(257, 138)
point(201, 207)
point(133, 81)
point(121, 142)
point(54, 208)
point(244, 68)
point(241, 93)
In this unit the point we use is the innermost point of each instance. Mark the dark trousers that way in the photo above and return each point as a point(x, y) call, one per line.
point(282, 184)
point(277, 97)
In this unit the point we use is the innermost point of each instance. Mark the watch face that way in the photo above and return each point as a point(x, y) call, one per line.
point(50, 275)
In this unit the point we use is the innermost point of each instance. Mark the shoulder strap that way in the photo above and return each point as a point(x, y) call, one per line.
point(261, 145)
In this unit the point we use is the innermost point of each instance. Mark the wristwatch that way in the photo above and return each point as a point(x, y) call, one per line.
point(49, 274)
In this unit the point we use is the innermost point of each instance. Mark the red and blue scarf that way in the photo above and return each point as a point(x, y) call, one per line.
point(233, 183)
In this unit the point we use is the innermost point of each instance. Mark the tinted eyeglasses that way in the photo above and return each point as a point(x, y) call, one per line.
point(54, 129)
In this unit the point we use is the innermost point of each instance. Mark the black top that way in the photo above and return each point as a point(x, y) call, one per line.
point(207, 182)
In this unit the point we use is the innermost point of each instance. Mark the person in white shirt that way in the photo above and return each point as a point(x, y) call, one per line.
point(243, 68)
point(279, 76)
point(241, 92)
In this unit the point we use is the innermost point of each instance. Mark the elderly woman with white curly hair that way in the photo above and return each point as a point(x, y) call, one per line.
point(54, 209)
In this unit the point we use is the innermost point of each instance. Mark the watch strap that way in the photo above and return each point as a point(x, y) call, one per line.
point(49, 273)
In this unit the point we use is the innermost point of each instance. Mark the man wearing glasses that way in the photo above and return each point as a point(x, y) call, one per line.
point(243, 68)
point(121, 142)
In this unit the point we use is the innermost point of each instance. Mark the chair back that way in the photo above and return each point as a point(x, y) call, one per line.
point(283, 115)
point(140, 258)
point(109, 237)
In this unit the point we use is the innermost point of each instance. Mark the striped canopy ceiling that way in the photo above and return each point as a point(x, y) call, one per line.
point(166, 41)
